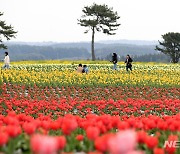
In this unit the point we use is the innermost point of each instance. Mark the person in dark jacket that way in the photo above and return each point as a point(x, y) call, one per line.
point(85, 69)
point(114, 61)
point(128, 62)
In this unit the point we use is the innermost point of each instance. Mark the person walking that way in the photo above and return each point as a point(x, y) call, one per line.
point(114, 61)
point(6, 61)
point(128, 62)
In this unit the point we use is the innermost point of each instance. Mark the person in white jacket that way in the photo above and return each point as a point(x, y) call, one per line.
point(6, 61)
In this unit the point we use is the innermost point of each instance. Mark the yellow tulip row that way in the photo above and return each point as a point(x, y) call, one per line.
point(99, 75)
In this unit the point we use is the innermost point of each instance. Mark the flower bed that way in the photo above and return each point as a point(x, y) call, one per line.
point(49, 109)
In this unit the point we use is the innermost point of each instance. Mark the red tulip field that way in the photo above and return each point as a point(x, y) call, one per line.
point(47, 118)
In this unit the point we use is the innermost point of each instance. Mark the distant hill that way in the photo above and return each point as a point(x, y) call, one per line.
point(77, 50)
point(124, 49)
point(32, 52)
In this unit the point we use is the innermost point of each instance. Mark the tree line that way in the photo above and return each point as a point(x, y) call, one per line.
point(142, 58)
point(102, 18)
point(28, 52)
point(55, 52)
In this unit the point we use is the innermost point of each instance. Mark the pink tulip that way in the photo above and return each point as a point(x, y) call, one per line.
point(123, 142)
point(41, 144)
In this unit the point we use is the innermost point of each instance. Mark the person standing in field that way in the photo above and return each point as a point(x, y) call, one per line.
point(114, 61)
point(128, 62)
point(6, 61)
point(80, 68)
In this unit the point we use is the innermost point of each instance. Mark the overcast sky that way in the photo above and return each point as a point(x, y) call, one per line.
point(56, 20)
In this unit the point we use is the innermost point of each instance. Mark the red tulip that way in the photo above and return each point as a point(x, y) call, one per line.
point(61, 140)
point(3, 138)
point(141, 136)
point(29, 128)
point(13, 131)
point(101, 142)
point(158, 151)
point(92, 132)
point(69, 125)
point(171, 149)
point(151, 142)
point(79, 137)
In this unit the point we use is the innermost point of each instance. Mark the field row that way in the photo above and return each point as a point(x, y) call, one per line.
point(79, 93)
point(47, 127)
point(99, 75)
point(62, 106)
point(73, 66)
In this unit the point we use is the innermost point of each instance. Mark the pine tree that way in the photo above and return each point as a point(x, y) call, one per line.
point(171, 46)
point(99, 18)
point(6, 31)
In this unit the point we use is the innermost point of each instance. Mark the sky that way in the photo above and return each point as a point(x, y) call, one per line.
point(56, 20)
